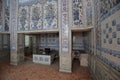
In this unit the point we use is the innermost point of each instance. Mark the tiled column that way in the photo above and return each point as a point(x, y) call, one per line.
point(16, 40)
point(65, 37)
point(20, 47)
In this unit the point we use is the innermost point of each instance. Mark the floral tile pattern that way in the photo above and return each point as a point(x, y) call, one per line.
point(37, 15)
point(23, 18)
point(77, 13)
point(50, 15)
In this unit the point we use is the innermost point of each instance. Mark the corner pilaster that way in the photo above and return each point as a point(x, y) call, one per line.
point(16, 40)
point(65, 38)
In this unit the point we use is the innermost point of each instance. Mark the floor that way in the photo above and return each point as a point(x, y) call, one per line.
point(31, 71)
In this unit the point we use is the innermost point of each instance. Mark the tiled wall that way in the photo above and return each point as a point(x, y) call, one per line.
point(43, 15)
point(82, 13)
point(6, 15)
point(37, 15)
point(109, 42)
point(101, 71)
point(78, 12)
point(48, 41)
point(105, 65)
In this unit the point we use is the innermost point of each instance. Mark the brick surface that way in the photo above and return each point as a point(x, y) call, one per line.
point(31, 71)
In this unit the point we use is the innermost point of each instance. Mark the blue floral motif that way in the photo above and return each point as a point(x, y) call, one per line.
point(49, 17)
point(118, 27)
point(76, 15)
point(77, 12)
point(118, 41)
point(114, 35)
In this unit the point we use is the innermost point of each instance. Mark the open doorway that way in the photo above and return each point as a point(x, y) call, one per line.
point(42, 48)
point(28, 50)
point(80, 42)
point(77, 46)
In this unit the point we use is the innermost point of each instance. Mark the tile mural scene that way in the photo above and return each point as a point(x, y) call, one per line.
point(60, 39)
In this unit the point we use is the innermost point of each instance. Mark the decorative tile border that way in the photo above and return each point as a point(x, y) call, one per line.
point(112, 64)
point(110, 12)
point(65, 27)
point(13, 29)
point(110, 52)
